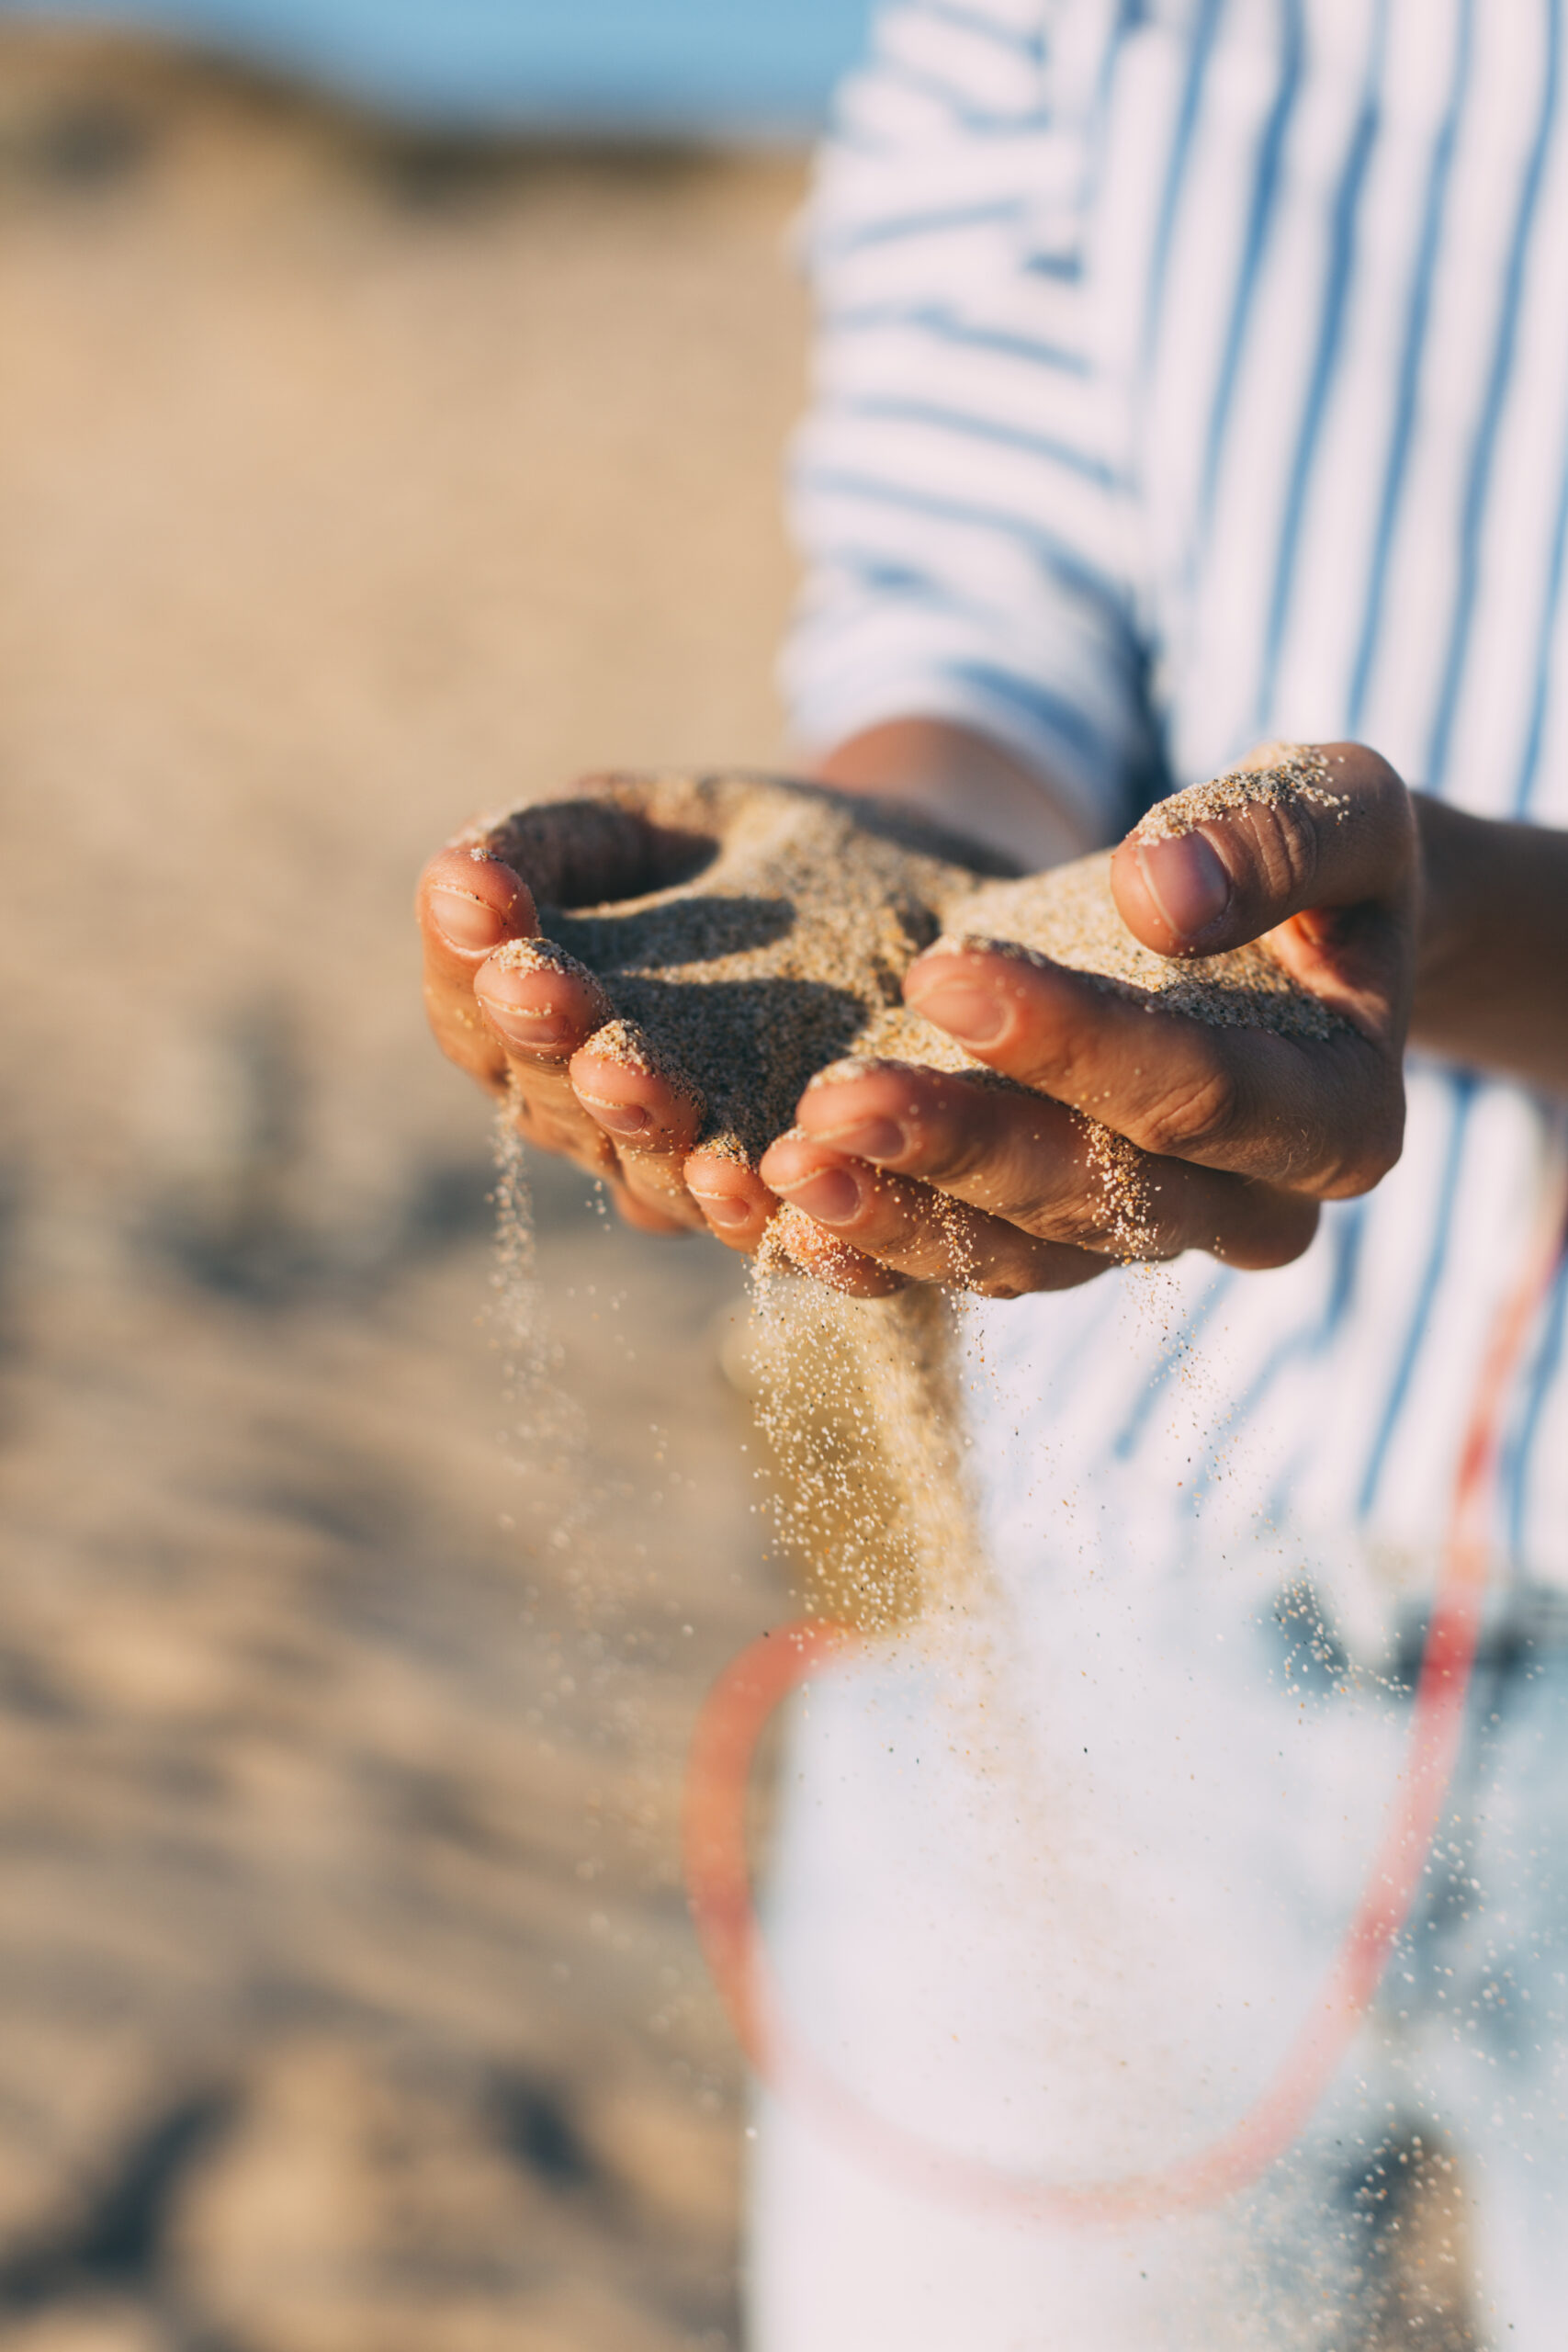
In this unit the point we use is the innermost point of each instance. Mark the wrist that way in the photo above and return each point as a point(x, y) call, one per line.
point(1450, 865)
point(1492, 949)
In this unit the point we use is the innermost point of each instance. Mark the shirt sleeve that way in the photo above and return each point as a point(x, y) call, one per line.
point(955, 488)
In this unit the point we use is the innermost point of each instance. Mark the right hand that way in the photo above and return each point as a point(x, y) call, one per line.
point(523, 1032)
point(1231, 1135)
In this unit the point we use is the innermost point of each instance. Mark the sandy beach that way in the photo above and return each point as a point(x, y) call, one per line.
point(351, 483)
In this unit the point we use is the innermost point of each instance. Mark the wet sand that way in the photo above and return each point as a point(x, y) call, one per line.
point(350, 483)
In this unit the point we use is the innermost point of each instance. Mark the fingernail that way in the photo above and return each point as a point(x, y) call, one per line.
point(470, 925)
point(533, 1033)
point(621, 1118)
point(723, 1208)
point(832, 1196)
point(872, 1139)
point(975, 1015)
point(1187, 882)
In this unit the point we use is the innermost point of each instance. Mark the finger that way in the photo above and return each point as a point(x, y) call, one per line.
point(1318, 832)
point(538, 1004)
point(547, 1115)
point(641, 1100)
point(597, 1159)
point(645, 1215)
point(615, 837)
point(792, 1237)
point(649, 1110)
point(467, 905)
point(914, 1230)
point(544, 1005)
point(541, 1003)
point(1032, 1164)
point(731, 1196)
point(1324, 1117)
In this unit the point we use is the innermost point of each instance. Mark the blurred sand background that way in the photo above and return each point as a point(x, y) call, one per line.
point(350, 480)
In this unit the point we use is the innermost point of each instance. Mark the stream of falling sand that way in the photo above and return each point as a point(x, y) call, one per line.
point(549, 1429)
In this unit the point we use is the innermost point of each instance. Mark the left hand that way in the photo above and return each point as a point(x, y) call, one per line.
point(1238, 1134)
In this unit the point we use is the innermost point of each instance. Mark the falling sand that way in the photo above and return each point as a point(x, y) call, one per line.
point(748, 934)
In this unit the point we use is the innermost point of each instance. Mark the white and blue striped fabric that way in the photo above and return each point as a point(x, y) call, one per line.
point(1195, 372)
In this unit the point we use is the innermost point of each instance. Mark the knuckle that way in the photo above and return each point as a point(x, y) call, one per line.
point(1048, 1193)
point(1057, 1060)
point(1017, 1198)
point(1378, 778)
point(951, 1128)
point(1005, 1152)
point(891, 1221)
point(959, 1153)
point(1194, 1116)
point(1083, 1219)
point(1285, 843)
point(1363, 1170)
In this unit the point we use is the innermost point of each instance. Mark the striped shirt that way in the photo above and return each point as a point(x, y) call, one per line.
point(1194, 372)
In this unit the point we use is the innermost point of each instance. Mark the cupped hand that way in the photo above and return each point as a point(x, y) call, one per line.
point(1130, 1130)
point(519, 1015)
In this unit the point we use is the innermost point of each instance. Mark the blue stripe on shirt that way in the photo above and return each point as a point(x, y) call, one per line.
point(1067, 268)
point(969, 20)
point(1534, 736)
point(1413, 352)
point(1176, 171)
point(939, 221)
point(961, 108)
point(968, 334)
point(887, 409)
point(1260, 214)
point(1461, 1105)
point(1514, 1476)
point(888, 578)
point(1337, 294)
point(1031, 701)
point(1472, 527)
point(1068, 562)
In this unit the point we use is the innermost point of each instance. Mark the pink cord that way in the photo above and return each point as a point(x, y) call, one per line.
point(718, 1880)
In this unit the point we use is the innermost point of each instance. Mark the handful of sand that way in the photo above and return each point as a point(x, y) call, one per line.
point(783, 917)
point(748, 933)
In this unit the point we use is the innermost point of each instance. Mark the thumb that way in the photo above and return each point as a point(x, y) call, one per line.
point(1296, 827)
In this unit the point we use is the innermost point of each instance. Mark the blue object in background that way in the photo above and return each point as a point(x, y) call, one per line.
point(754, 68)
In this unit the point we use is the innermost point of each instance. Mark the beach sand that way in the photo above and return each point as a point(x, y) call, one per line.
point(351, 483)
